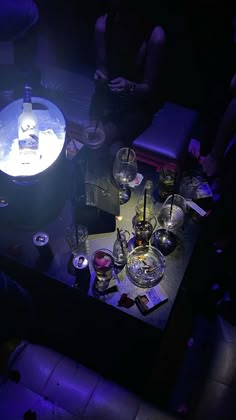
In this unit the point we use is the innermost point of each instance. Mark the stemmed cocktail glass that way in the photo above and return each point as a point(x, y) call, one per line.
point(171, 218)
point(172, 213)
point(124, 171)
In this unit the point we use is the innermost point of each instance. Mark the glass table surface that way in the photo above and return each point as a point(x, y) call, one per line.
point(176, 263)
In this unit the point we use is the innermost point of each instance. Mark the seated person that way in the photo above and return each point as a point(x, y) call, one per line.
point(221, 228)
point(129, 57)
point(212, 163)
point(222, 160)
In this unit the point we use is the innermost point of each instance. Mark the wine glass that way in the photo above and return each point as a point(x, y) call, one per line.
point(172, 212)
point(170, 218)
point(124, 171)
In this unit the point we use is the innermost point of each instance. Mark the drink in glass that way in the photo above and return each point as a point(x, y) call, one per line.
point(171, 215)
point(171, 220)
point(143, 232)
point(124, 171)
point(167, 180)
point(103, 263)
point(94, 135)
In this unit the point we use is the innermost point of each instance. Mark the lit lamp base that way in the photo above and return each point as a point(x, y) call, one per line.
point(164, 240)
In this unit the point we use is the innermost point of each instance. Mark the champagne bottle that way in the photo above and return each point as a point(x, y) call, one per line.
point(150, 206)
point(28, 135)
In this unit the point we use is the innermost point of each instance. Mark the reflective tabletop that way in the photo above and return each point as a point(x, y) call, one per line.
point(176, 263)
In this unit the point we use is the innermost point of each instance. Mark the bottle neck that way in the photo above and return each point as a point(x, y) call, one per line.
point(148, 186)
point(27, 106)
point(121, 238)
point(27, 95)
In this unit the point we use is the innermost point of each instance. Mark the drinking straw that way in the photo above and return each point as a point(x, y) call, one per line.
point(144, 205)
point(121, 243)
point(175, 180)
point(127, 160)
point(75, 146)
point(173, 195)
point(163, 172)
point(95, 129)
point(76, 230)
point(171, 205)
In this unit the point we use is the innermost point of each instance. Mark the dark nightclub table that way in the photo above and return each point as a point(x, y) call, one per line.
point(176, 263)
point(103, 335)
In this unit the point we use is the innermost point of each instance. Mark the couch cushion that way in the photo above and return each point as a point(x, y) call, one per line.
point(169, 133)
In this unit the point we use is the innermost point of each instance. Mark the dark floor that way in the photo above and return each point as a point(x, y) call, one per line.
point(205, 387)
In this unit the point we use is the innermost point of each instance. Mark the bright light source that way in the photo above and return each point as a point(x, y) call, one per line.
point(28, 162)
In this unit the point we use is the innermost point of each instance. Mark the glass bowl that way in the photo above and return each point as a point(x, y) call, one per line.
point(145, 266)
point(164, 240)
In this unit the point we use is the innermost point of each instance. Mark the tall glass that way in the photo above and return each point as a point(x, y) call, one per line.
point(143, 232)
point(171, 218)
point(172, 212)
point(167, 179)
point(94, 135)
point(103, 263)
point(150, 209)
point(124, 171)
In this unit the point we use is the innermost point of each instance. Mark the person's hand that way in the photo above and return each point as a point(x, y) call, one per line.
point(119, 85)
point(210, 165)
point(99, 76)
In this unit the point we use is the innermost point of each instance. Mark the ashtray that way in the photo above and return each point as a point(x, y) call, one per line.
point(145, 266)
point(164, 240)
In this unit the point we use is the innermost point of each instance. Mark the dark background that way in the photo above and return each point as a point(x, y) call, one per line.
point(200, 49)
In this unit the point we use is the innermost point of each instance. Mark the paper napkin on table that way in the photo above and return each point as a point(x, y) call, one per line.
point(137, 181)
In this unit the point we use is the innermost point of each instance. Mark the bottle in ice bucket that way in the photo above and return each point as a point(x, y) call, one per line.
point(28, 133)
